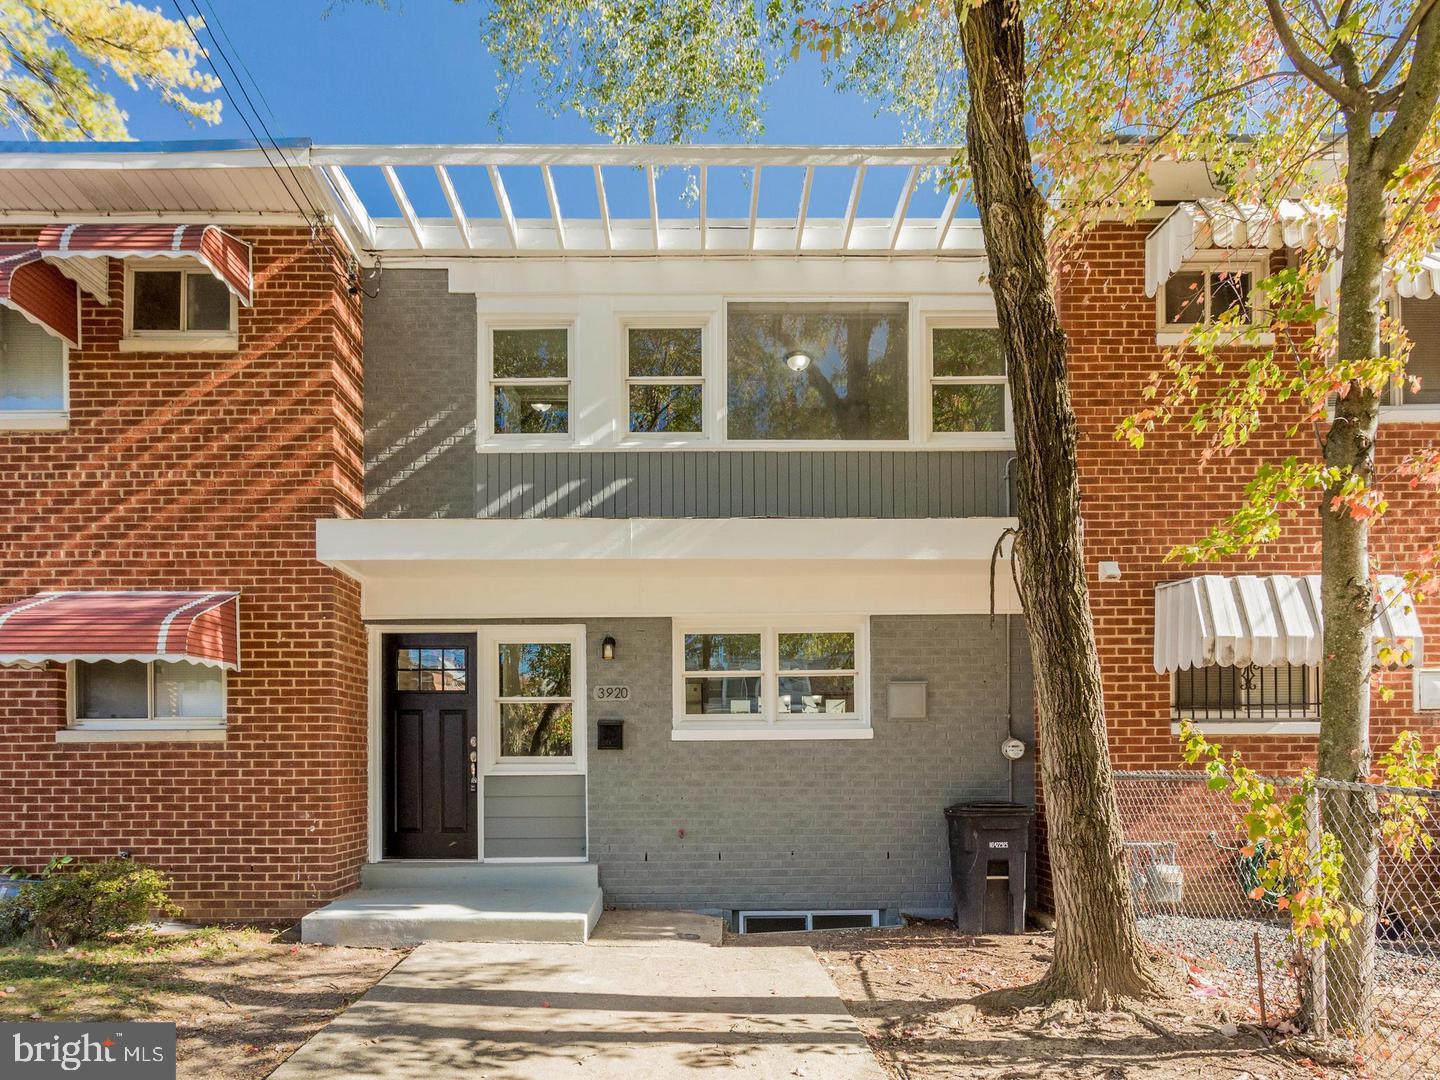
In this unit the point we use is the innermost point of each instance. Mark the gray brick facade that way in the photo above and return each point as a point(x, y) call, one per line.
point(824, 823)
point(419, 397)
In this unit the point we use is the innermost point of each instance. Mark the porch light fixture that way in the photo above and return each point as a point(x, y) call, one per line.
point(797, 360)
point(607, 649)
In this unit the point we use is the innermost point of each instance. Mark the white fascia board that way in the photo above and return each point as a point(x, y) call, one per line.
point(297, 157)
point(602, 154)
point(741, 276)
point(341, 542)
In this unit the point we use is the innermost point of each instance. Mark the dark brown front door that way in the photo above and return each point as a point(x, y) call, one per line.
point(430, 797)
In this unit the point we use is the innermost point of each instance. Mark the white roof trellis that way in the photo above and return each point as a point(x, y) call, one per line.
point(647, 229)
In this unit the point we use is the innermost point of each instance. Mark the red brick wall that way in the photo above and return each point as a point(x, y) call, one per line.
point(204, 470)
point(1137, 505)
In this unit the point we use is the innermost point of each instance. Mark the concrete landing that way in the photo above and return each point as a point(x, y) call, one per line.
point(411, 903)
point(658, 1007)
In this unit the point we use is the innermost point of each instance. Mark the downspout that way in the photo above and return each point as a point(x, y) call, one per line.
point(1009, 649)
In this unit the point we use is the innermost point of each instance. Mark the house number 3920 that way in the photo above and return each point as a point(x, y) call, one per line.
point(612, 693)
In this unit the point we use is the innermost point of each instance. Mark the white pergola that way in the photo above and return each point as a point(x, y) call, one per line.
point(603, 232)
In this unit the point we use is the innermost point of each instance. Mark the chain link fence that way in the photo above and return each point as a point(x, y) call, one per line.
point(1199, 896)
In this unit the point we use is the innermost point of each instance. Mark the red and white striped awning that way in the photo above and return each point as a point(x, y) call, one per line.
point(1269, 621)
point(225, 256)
point(200, 627)
point(38, 291)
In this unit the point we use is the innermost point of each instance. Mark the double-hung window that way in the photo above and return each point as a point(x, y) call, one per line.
point(969, 391)
point(34, 391)
point(792, 680)
point(1208, 291)
point(132, 694)
point(665, 380)
point(530, 380)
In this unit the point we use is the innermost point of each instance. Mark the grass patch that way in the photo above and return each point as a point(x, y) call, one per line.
point(125, 977)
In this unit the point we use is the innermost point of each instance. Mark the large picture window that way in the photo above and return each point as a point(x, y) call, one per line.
point(530, 380)
point(817, 371)
point(785, 681)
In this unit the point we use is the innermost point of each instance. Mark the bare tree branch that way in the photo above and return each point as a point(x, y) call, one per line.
point(1402, 39)
point(1306, 64)
point(1416, 104)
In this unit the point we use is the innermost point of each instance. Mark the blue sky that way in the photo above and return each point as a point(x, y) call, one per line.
point(418, 73)
point(353, 72)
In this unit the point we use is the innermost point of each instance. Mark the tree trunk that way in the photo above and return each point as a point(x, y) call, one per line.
point(1346, 599)
point(1099, 955)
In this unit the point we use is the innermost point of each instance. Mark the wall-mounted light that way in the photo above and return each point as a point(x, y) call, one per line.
point(1110, 571)
point(542, 407)
point(607, 649)
point(797, 360)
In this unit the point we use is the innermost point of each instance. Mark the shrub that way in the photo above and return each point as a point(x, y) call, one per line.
point(69, 905)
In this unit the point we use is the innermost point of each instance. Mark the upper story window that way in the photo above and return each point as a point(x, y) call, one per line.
point(793, 680)
point(185, 308)
point(33, 384)
point(969, 391)
point(665, 379)
point(817, 371)
point(1421, 319)
point(530, 380)
point(1211, 290)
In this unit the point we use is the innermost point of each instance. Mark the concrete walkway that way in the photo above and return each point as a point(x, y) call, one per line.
point(651, 995)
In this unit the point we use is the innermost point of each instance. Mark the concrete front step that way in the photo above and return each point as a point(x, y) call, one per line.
point(408, 904)
point(401, 873)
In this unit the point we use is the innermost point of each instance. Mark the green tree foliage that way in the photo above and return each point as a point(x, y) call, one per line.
point(53, 52)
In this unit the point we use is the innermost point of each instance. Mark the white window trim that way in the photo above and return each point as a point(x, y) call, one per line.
point(769, 723)
point(175, 340)
point(1252, 261)
point(489, 642)
point(744, 917)
point(118, 726)
point(988, 440)
point(710, 410)
point(485, 405)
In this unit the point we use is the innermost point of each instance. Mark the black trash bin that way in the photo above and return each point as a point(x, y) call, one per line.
point(989, 842)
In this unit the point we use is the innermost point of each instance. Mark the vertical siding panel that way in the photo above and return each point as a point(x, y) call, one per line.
point(714, 473)
point(669, 493)
point(797, 499)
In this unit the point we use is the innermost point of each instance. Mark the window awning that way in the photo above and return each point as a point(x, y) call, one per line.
point(225, 256)
point(1265, 621)
point(201, 627)
point(1213, 224)
point(38, 291)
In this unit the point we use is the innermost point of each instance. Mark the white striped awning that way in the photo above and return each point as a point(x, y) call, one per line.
point(1216, 225)
point(1213, 224)
point(1266, 621)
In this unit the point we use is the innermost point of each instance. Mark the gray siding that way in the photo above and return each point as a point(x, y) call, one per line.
point(534, 817)
point(742, 483)
point(421, 460)
point(825, 823)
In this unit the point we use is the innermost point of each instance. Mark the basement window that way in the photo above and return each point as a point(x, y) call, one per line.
point(781, 922)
